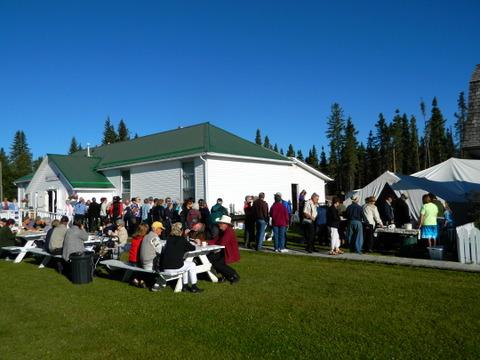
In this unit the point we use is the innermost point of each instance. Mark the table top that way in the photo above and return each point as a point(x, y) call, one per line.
point(31, 234)
point(201, 250)
point(397, 231)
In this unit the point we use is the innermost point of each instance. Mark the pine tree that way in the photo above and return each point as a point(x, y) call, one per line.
point(300, 155)
point(323, 165)
point(396, 142)
point(372, 170)
point(135, 136)
point(36, 163)
point(290, 151)
point(437, 135)
point(275, 148)
point(20, 156)
point(123, 133)
point(461, 117)
point(414, 146)
point(450, 150)
point(258, 138)
point(349, 159)
point(335, 134)
point(109, 134)
point(281, 151)
point(312, 158)
point(426, 138)
point(407, 157)
point(383, 144)
point(9, 190)
point(73, 146)
point(266, 143)
point(360, 178)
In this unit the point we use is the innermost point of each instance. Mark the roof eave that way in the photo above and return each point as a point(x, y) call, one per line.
point(311, 169)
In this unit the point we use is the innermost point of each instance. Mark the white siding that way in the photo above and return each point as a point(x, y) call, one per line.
point(47, 178)
point(158, 180)
point(199, 179)
point(232, 180)
point(114, 177)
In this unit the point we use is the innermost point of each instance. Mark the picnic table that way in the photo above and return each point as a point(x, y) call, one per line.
point(408, 238)
point(201, 253)
point(30, 237)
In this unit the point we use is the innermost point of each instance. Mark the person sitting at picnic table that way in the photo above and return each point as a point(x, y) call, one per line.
point(151, 245)
point(428, 221)
point(173, 259)
point(74, 239)
point(133, 255)
point(57, 237)
point(121, 234)
point(48, 237)
point(7, 236)
point(373, 220)
point(220, 260)
point(354, 216)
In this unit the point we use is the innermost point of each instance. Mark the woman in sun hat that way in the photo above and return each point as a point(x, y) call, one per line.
point(230, 254)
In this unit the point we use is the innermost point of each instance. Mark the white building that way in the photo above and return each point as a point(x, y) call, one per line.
point(200, 161)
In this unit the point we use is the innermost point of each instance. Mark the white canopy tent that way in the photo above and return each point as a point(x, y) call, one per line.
point(455, 191)
point(453, 170)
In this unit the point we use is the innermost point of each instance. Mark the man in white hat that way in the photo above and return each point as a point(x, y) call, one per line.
point(230, 254)
point(354, 216)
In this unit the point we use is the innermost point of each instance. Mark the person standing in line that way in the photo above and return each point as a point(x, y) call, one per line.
point(309, 217)
point(103, 210)
point(93, 215)
point(145, 211)
point(333, 223)
point(354, 215)
point(260, 214)
point(79, 211)
point(301, 204)
point(373, 220)
point(321, 228)
point(428, 221)
point(401, 211)
point(386, 210)
point(116, 209)
point(279, 215)
point(249, 230)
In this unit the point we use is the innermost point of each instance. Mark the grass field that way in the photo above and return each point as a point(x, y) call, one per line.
point(284, 307)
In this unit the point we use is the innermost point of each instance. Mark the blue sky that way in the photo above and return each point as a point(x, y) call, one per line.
point(275, 65)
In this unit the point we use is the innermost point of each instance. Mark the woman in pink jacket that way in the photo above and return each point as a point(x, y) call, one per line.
point(279, 215)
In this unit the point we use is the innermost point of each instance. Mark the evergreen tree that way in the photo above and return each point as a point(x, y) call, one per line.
point(426, 138)
point(36, 163)
point(396, 142)
point(80, 148)
point(372, 170)
point(407, 157)
point(450, 149)
point(109, 134)
point(9, 190)
point(323, 161)
point(360, 178)
point(123, 133)
point(383, 144)
point(312, 158)
point(281, 151)
point(335, 134)
point(266, 143)
point(275, 148)
point(300, 155)
point(73, 146)
point(349, 159)
point(258, 138)
point(20, 156)
point(461, 117)
point(135, 136)
point(290, 151)
point(414, 146)
point(437, 135)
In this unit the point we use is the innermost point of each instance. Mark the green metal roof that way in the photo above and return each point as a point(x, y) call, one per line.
point(80, 171)
point(180, 142)
point(25, 178)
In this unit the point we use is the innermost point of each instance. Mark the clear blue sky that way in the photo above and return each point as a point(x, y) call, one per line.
point(242, 65)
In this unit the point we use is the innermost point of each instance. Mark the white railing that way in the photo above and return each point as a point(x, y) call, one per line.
point(468, 241)
point(47, 214)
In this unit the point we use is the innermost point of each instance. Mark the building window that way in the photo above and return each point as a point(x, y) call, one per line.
point(125, 184)
point(188, 184)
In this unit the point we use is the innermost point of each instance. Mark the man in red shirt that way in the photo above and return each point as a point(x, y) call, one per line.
point(230, 254)
point(279, 215)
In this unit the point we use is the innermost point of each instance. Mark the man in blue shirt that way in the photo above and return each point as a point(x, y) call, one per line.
point(79, 211)
point(355, 228)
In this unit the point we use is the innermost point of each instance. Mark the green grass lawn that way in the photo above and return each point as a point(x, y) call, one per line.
point(284, 307)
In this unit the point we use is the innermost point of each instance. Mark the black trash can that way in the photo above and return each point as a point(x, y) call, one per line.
point(81, 268)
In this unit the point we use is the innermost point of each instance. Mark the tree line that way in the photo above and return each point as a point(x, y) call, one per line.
point(393, 145)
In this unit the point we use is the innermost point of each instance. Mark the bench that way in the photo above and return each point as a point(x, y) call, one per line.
point(129, 270)
point(33, 250)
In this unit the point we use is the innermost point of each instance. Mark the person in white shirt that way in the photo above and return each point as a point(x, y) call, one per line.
point(370, 212)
